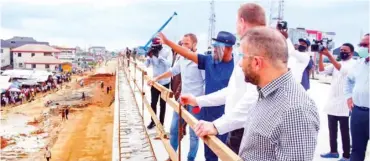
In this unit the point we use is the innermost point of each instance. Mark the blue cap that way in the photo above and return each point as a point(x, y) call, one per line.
point(305, 41)
point(225, 38)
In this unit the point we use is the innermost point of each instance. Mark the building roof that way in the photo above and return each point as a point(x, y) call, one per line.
point(35, 48)
point(20, 38)
point(15, 44)
point(62, 47)
point(43, 60)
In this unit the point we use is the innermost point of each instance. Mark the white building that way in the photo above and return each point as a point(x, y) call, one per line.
point(4, 54)
point(36, 56)
point(97, 50)
point(66, 54)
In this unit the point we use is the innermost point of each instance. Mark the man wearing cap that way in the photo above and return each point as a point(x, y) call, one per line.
point(303, 47)
point(158, 58)
point(218, 67)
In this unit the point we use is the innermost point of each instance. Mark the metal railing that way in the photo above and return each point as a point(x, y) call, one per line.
point(216, 145)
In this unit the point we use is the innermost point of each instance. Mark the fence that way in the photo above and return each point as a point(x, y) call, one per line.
point(218, 147)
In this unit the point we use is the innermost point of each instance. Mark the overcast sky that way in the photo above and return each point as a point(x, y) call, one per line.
point(120, 23)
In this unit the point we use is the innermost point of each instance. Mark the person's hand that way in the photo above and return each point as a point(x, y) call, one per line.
point(284, 32)
point(203, 128)
point(188, 99)
point(151, 82)
point(350, 103)
point(162, 38)
point(325, 52)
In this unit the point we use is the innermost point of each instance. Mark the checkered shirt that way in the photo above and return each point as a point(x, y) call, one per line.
point(283, 126)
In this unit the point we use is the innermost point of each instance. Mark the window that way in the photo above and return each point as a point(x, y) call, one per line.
point(48, 54)
point(33, 65)
point(47, 66)
point(20, 64)
point(1, 51)
point(19, 54)
point(32, 54)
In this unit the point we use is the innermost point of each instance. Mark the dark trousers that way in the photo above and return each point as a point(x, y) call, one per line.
point(211, 114)
point(47, 159)
point(359, 132)
point(155, 94)
point(234, 140)
point(344, 130)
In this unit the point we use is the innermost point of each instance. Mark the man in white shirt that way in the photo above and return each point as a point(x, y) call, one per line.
point(336, 107)
point(239, 96)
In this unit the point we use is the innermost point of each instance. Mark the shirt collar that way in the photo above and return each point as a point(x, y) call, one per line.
point(275, 84)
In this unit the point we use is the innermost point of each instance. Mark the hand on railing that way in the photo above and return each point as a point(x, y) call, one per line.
point(203, 128)
point(151, 82)
point(188, 99)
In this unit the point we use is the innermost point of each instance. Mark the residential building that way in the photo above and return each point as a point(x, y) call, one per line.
point(97, 50)
point(66, 55)
point(15, 42)
point(36, 56)
point(5, 55)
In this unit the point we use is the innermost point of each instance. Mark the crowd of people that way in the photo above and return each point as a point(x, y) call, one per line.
point(27, 93)
point(255, 100)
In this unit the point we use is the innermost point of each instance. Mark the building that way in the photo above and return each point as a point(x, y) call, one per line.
point(66, 55)
point(97, 50)
point(5, 55)
point(36, 56)
point(12, 43)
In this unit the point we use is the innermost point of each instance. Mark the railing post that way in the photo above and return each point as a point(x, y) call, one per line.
point(180, 131)
point(142, 94)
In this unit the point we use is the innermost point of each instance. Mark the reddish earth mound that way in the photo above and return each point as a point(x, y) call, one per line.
point(4, 142)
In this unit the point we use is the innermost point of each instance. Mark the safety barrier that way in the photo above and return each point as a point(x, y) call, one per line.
point(218, 147)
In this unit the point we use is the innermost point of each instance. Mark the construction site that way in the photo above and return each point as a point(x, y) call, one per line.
point(82, 134)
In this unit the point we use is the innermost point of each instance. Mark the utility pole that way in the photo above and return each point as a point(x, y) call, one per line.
point(276, 12)
point(212, 21)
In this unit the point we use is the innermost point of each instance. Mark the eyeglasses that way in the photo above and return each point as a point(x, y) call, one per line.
point(363, 45)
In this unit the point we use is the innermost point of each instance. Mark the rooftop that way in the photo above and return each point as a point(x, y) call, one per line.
point(35, 48)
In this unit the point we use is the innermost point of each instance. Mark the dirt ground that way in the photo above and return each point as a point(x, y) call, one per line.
point(87, 134)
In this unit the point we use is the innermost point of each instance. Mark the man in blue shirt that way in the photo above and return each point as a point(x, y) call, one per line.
point(158, 58)
point(218, 67)
point(303, 47)
point(356, 89)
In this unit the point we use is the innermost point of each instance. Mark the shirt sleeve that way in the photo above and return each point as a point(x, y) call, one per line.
point(202, 61)
point(217, 98)
point(297, 134)
point(349, 84)
point(235, 119)
point(328, 69)
point(175, 70)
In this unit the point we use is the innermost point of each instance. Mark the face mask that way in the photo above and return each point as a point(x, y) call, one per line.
point(363, 52)
point(302, 48)
point(218, 54)
point(344, 55)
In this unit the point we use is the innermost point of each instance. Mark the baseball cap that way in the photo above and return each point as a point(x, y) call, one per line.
point(305, 41)
point(224, 38)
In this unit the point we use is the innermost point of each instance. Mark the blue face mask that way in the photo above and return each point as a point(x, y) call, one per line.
point(363, 52)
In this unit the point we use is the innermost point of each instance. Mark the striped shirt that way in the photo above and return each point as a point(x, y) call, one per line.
point(337, 102)
point(283, 126)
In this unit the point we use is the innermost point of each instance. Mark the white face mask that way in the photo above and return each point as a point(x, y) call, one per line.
point(363, 52)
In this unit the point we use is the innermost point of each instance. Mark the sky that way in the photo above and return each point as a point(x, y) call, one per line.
point(116, 24)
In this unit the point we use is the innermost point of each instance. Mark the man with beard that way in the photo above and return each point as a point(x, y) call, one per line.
point(192, 81)
point(336, 106)
point(284, 123)
point(239, 96)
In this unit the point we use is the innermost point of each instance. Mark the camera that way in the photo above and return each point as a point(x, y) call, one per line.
point(282, 25)
point(155, 50)
point(320, 45)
